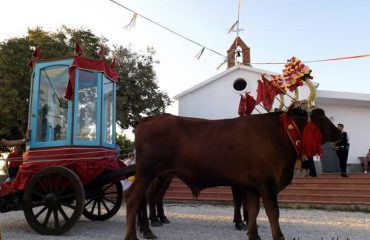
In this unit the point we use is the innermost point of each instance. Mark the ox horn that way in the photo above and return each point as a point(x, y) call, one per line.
point(312, 95)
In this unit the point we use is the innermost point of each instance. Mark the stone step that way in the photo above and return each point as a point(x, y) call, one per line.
point(326, 189)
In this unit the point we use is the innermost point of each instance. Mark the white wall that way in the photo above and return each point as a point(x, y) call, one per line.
point(217, 99)
point(356, 124)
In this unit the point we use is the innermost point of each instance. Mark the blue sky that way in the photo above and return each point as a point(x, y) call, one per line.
point(274, 30)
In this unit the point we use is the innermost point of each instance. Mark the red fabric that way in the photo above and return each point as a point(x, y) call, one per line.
point(101, 52)
point(246, 105)
point(113, 65)
point(15, 159)
point(311, 140)
point(269, 93)
point(35, 56)
point(78, 49)
point(293, 132)
point(259, 92)
point(87, 163)
point(37, 53)
point(87, 64)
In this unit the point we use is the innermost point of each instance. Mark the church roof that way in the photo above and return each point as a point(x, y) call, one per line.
point(220, 75)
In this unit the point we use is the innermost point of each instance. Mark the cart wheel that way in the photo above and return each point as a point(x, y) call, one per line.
point(53, 200)
point(104, 203)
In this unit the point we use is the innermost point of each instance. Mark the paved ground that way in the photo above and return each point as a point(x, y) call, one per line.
point(202, 221)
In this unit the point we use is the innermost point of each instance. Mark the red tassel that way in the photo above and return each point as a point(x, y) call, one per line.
point(311, 140)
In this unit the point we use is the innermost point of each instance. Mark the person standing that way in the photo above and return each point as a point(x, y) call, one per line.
point(342, 149)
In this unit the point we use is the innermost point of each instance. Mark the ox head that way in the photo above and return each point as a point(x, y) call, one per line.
point(329, 132)
point(301, 114)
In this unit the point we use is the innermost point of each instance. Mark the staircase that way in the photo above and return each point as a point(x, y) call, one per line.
point(328, 189)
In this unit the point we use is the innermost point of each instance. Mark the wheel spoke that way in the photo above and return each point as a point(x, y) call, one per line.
point(56, 218)
point(105, 206)
point(104, 189)
point(38, 193)
point(40, 212)
point(69, 206)
point(64, 188)
point(87, 203)
point(93, 207)
point(107, 199)
point(43, 186)
point(63, 213)
point(37, 204)
point(99, 208)
point(46, 220)
point(57, 183)
point(49, 183)
point(66, 196)
point(110, 193)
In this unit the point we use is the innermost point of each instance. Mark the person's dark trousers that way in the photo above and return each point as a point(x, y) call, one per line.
point(342, 155)
point(311, 167)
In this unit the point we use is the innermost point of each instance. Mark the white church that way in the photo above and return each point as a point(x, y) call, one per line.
point(218, 97)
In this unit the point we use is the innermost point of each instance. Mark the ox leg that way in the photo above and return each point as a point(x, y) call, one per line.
point(238, 198)
point(152, 194)
point(269, 198)
point(135, 198)
point(253, 207)
point(162, 192)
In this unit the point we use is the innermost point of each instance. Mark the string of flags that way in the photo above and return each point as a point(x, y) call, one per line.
point(234, 28)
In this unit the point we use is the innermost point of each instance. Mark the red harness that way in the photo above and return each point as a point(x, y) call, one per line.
point(308, 143)
point(293, 132)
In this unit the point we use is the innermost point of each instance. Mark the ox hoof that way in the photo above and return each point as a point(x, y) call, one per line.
point(241, 226)
point(164, 220)
point(254, 238)
point(156, 223)
point(149, 235)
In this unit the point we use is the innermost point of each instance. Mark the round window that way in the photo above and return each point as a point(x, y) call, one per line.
point(240, 84)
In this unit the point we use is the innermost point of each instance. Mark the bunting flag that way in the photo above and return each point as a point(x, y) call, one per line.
point(246, 105)
point(259, 92)
point(101, 52)
point(132, 22)
point(269, 93)
point(232, 28)
point(78, 50)
point(199, 54)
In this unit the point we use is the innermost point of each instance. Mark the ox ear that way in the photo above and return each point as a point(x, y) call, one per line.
point(317, 113)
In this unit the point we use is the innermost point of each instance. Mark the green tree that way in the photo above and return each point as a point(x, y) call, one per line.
point(138, 93)
point(126, 145)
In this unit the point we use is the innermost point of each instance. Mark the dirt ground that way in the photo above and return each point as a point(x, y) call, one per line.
point(204, 221)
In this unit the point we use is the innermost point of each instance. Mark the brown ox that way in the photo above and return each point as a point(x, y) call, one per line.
point(252, 152)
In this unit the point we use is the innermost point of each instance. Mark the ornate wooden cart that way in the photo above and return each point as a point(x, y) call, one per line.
point(71, 167)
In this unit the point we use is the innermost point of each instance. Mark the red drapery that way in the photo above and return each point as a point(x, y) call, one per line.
point(246, 105)
point(87, 64)
point(87, 163)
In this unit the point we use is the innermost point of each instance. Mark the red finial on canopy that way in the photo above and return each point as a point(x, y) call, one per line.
point(78, 49)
